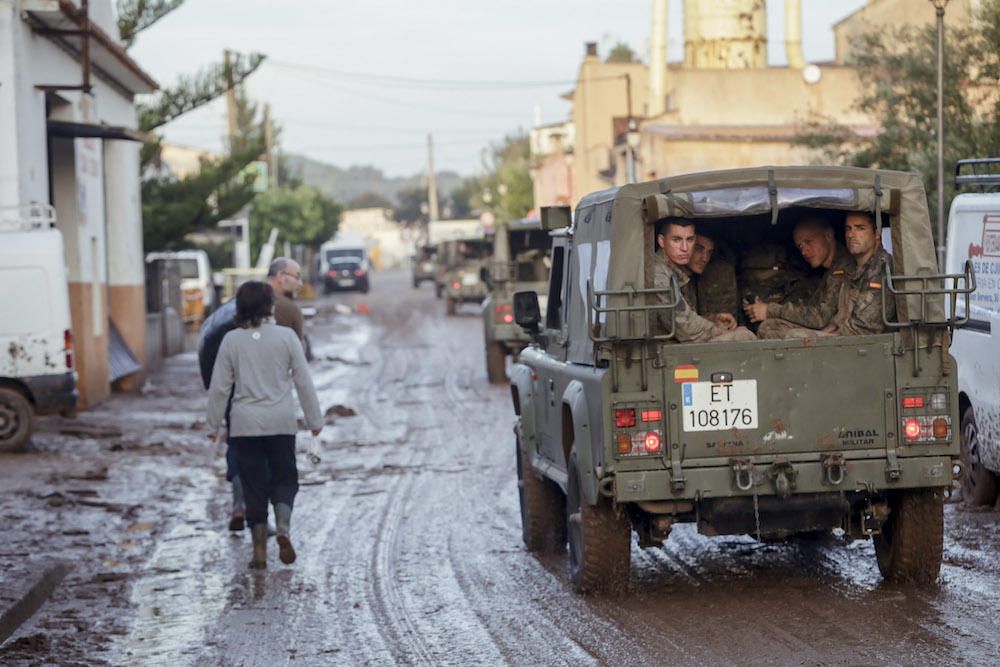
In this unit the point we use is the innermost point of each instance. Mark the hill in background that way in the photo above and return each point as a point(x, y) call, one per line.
point(346, 184)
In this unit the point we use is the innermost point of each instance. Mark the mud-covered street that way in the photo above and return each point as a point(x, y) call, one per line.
point(409, 539)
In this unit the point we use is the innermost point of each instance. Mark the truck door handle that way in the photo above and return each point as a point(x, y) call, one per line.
point(552, 393)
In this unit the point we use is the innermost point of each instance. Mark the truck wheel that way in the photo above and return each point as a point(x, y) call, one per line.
point(17, 420)
point(912, 540)
point(450, 306)
point(979, 485)
point(438, 290)
point(543, 522)
point(496, 360)
point(600, 540)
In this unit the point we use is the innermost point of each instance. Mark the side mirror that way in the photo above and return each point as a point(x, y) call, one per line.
point(526, 312)
point(556, 217)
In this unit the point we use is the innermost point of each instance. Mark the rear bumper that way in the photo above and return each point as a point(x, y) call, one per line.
point(466, 293)
point(511, 334)
point(809, 477)
point(52, 394)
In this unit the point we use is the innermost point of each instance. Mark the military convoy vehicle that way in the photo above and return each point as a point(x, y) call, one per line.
point(620, 429)
point(462, 280)
point(520, 261)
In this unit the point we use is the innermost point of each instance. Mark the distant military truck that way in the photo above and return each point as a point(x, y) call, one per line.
point(521, 251)
point(423, 264)
point(619, 428)
point(463, 264)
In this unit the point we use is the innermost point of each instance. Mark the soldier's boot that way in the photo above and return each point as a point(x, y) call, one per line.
point(238, 516)
point(259, 533)
point(283, 520)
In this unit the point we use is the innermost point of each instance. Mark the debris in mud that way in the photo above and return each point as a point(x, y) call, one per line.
point(34, 643)
point(349, 362)
point(340, 411)
point(96, 475)
point(84, 430)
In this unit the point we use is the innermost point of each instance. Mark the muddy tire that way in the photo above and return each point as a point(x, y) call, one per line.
point(910, 547)
point(979, 485)
point(449, 306)
point(496, 363)
point(543, 521)
point(17, 420)
point(600, 540)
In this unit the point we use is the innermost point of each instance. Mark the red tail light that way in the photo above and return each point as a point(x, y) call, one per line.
point(331, 274)
point(455, 284)
point(652, 441)
point(913, 401)
point(68, 346)
point(652, 415)
point(911, 429)
point(503, 313)
point(625, 417)
point(359, 272)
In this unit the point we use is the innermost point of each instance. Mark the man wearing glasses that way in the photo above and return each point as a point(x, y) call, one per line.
point(285, 278)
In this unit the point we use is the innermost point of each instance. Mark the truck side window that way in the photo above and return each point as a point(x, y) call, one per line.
point(553, 313)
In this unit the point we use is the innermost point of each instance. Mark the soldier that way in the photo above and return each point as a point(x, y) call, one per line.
point(806, 319)
point(714, 296)
point(860, 311)
point(675, 239)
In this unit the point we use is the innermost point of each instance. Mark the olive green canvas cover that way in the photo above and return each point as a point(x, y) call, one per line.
point(613, 238)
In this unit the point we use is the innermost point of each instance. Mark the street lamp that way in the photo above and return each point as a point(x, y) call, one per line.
point(939, 6)
point(632, 139)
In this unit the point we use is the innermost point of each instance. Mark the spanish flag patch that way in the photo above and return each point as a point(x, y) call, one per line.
point(875, 285)
point(686, 374)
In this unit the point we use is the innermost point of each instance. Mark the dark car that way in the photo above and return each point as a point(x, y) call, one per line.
point(347, 274)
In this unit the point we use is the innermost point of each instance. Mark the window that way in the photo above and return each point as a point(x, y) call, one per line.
point(553, 313)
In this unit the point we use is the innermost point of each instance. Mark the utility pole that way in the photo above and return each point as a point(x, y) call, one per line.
point(939, 6)
point(272, 158)
point(230, 95)
point(432, 195)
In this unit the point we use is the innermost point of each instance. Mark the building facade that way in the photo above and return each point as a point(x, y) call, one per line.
point(68, 130)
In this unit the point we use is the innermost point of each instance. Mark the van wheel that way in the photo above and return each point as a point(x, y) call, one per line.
point(600, 540)
point(910, 546)
point(496, 360)
point(17, 420)
point(449, 307)
point(979, 485)
point(543, 522)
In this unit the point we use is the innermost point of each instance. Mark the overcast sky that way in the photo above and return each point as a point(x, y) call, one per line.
point(417, 49)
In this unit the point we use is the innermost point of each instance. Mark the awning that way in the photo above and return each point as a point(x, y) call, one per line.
point(70, 130)
point(107, 58)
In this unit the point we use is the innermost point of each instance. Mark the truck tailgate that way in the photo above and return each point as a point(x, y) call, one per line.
point(786, 398)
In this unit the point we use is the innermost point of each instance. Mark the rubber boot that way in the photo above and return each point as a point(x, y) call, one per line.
point(259, 533)
point(237, 520)
point(282, 521)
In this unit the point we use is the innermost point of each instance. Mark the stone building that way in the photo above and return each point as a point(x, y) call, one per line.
point(68, 132)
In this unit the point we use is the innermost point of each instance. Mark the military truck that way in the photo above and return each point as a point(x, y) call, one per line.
point(520, 261)
point(463, 261)
point(618, 428)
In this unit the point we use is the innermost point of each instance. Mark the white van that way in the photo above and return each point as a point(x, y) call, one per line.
point(36, 343)
point(197, 287)
point(974, 235)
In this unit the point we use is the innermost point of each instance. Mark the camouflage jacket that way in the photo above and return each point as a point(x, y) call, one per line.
point(717, 289)
point(860, 312)
point(818, 311)
point(688, 325)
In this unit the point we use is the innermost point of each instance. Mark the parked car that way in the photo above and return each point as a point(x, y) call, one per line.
point(347, 274)
point(974, 236)
point(37, 375)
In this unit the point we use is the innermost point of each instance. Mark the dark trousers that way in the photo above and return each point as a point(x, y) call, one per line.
point(266, 464)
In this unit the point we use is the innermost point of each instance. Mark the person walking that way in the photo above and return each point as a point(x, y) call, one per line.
point(259, 362)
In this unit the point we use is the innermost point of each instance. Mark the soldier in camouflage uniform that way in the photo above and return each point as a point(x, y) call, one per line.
point(860, 306)
point(807, 319)
point(714, 277)
point(675, 239)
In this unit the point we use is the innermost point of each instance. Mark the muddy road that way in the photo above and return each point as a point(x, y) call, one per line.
point(409, 542)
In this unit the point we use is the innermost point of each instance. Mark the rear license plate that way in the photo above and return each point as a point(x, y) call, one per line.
point(719, 407)
point(470, 279)
point(346, 282)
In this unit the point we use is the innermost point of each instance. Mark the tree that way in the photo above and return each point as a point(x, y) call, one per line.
point(508, 185)
point(369, 200)
point(134, 16)
point(898, 73)
point(302, 215)
point(463, 195)
point(411, 204)
point(621, 53)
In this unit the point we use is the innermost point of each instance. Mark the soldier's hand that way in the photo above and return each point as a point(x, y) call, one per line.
point(724, 320)
point(756, 311)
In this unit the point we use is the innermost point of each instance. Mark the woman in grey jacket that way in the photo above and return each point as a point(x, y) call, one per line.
point(259, 362)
